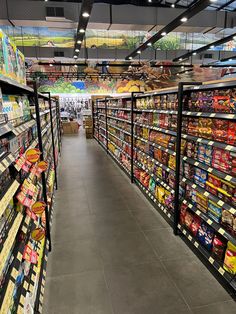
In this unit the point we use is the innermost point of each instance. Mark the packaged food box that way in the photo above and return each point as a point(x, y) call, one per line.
point(214, 211)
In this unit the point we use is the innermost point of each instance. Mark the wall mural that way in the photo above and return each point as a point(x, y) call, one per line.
point(144, 78)
point(64, 38)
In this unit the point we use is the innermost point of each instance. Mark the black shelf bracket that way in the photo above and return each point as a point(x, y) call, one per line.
point(44, 184)
point(178, 151)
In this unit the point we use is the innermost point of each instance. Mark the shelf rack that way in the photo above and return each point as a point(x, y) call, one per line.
point(172, 103)
point(48, 140)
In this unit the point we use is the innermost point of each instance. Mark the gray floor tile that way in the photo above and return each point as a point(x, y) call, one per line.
point(75, 229)
point(125, 249)
point(107, 205)
point(74, 257)
point(196, 283)
point(167, 245)
point(114, 223)
point(143, 289)
point(228, 307)
point(149, 219)
point(85, 293)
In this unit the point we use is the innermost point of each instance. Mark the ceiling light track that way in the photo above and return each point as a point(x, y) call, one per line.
point(206, 47)
point(85, 12)
point(193, 9)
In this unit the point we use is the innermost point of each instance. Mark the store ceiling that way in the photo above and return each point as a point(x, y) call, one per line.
point(126, 25)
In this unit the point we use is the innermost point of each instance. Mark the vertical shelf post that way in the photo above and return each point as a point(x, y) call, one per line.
point(132, 139)
point(44, 185)
point(106, 124)
point(178, 152)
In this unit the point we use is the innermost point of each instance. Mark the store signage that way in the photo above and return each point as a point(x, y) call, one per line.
point(32, 155)
point(38, 234)
point(38, 208)
point(43, 165)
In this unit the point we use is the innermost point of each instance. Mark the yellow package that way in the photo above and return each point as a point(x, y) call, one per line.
point(230, 258)
point(171, 162)
point(145, 133)
point(161, 195)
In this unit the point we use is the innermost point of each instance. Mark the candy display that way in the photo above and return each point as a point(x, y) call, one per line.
point(207, 175)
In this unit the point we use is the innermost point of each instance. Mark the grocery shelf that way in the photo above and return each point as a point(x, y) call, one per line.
point(24, 127)
point(123, 141)
point(154, 160)
point(143, 148)
point(167, 150)
point(8, 196)
point(155, 128)
point(211, 170)
point(216, 115)
point(6, 162)
point(156, 178)
point(118, 147)
point(118, 119)
point(117, 108)
point(5, 128)
point(217, 226)
point(115, 127)
point(119, 163)
point(217, 266)
point(213, 198)
point(153, 199)
point(209, 142)
point(156, 111)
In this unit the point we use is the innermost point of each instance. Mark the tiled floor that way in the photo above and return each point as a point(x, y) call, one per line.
point(113, 253)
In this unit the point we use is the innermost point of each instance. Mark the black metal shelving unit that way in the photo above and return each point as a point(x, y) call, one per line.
point(42, 128)
point(143, 159)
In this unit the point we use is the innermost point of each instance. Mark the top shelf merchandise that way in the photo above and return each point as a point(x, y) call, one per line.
point(23, 246)
point(200, 199)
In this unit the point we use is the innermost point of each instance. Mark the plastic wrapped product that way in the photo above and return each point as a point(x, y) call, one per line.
point(230, 258)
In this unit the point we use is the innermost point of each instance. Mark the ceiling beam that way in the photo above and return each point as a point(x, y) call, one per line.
point(85, 13)
point(206, 47)
point(225, 5)
point(179, 20)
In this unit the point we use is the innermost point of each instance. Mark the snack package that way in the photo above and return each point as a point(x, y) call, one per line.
point(193, 128)
point(191, 149)
point(205, 235)
point(220, 130)
point(172, 162)
point(229, 221)
point(230, 258)
point(214, 211)
point(200, 177)
point(195, 225)
point(183, 210)
point(201, 202)
point(188, 220)
point(221, 159)
point(231, 133)
point(188, 171)
point(218, 247)
point(221, 103)
point(205, 128)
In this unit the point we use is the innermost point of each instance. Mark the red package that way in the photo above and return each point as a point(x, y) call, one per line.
point(220, 130)
point(219, 247)
point(195, 225)
point(221, 103)
point(232, 133)
point(214, 180)
point(183, 210)
point(188, 219)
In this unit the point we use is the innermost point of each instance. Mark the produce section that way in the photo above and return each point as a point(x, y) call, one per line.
point(183, 159)
point(29, 158)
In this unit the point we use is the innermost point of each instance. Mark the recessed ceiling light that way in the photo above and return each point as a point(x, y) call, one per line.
point(230, 59)
point(77, 50)
point(184, 19)
point(149, 44)
point(173, 5)
point(180, 59)
point(163, 34)
point(81, 30)
point(139, 51)
point(51, 65)
point(130, 58)
point(76, 66)
point(212, 46)
point(161, 66)
point(211, 67)
point(79, 42)
point(194, 53)
point(85, 14)
point(75, 57)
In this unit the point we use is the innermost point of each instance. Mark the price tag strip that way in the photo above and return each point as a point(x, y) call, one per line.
point(8, 196)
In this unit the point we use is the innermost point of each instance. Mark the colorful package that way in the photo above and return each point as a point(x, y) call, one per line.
point(218, 247)
point(230, 258)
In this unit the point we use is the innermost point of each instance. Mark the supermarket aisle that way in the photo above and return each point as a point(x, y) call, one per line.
point(114, 254)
